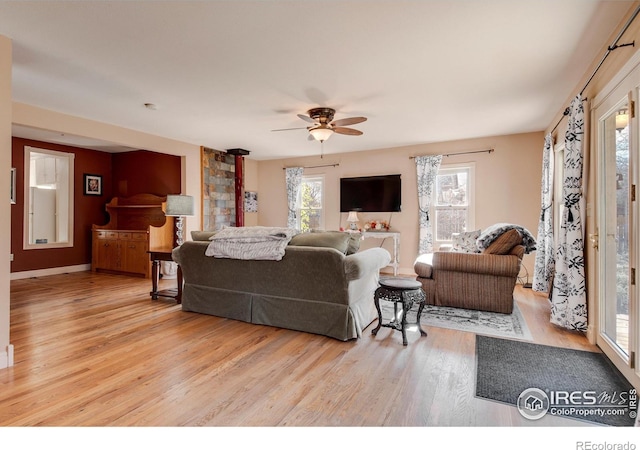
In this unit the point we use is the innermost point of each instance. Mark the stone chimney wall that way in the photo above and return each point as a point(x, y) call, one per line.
point(218, 189)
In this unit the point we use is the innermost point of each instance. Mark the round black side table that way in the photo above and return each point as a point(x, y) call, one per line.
point(403, 292)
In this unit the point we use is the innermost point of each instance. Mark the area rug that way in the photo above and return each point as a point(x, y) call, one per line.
point(512, 326)
point(539, 380)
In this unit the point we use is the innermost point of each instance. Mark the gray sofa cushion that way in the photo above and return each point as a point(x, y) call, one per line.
point(202, 235)
point(354, 240)
point(332, 239)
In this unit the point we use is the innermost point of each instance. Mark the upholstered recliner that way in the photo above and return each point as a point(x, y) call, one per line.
point(482, 281)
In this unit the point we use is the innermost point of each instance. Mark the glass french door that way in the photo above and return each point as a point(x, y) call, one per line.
point(614, 229)
point(616, 238)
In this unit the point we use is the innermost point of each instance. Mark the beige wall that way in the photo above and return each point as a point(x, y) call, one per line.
point(507, 185)
point(5, 209)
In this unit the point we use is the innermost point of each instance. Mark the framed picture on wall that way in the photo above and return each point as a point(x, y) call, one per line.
point(92, 184)
point(13, 186)
point(251, 201)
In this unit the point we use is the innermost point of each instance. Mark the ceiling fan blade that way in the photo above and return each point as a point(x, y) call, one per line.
point(349, 131)
point(348, 121)
point(306, 118)
point(287, 129)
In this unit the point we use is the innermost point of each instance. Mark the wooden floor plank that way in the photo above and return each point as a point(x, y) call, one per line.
point(95, 350)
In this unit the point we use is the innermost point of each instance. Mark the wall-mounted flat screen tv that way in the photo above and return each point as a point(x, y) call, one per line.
point(371, 194)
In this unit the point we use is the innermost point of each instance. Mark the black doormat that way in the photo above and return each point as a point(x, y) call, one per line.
point(558, 381)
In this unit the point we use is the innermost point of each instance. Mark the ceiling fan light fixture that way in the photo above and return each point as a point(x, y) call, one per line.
point(321, 134)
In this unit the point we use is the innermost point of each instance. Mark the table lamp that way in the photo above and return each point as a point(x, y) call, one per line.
point(179, 206)
point(353, 220)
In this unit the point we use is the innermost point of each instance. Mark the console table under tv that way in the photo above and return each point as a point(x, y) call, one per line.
point(395, 261)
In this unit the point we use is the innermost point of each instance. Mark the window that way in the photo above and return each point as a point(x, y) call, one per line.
point(452, 208)
point(48, 193)
point(311, 214)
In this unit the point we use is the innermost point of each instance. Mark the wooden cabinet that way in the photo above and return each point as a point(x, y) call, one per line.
point(135, 225)
point(105, 250)
point(121, 251)
point(133, 251)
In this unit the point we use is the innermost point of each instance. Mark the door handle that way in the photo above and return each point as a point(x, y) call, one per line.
point(593, 237)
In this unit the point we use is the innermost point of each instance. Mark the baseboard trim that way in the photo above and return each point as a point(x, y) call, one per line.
point(6, 357)
point(401, 272)
point(50, 271)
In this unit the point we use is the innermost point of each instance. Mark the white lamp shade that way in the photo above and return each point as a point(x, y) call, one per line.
point(179, 205)
point(353, 216)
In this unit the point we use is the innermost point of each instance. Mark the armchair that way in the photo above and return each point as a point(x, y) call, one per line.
point(481, 281)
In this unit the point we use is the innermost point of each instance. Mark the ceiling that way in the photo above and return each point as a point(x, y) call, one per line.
point(224, 73)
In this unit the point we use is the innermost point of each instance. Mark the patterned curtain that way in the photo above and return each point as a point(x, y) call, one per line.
point(568, 296)
point(426, 170)
point(293, 177)
point(545, 259)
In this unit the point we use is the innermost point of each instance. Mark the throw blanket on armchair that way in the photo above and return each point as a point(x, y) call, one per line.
point(491, 233)
point(258, 243)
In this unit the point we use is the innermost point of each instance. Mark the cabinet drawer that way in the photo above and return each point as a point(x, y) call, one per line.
point(124, 235)
point(139, 236)
point(106, 234)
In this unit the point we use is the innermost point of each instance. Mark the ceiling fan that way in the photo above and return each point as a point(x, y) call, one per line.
point(324, 126)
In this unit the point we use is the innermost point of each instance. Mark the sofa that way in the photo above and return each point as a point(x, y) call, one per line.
point(319, 286)
point(476, 273)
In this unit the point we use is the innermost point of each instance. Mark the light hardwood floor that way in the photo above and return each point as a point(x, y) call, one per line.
point(95, 350)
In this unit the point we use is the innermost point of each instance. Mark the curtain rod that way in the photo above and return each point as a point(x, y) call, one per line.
point(491, 150)
point(611, 48)
point(314, 167)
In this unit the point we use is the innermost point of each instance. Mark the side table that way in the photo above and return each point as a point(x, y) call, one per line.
point(163, 254)
point(403, 292)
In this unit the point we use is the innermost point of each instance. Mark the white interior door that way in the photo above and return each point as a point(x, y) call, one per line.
point(43, 215)
point(617, 235)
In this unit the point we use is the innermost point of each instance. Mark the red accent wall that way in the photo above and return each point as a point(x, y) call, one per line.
point(88, 209)
point(137, 172)
point(145, 172)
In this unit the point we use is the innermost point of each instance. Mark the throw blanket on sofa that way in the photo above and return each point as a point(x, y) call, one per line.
point(263, 243)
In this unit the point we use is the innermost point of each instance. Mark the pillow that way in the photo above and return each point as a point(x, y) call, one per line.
point(465, 242)
point(332, 239)
point(354, 240)
point(202, 235)
point(354, 243)
point(492, 232)
point(503, 244)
